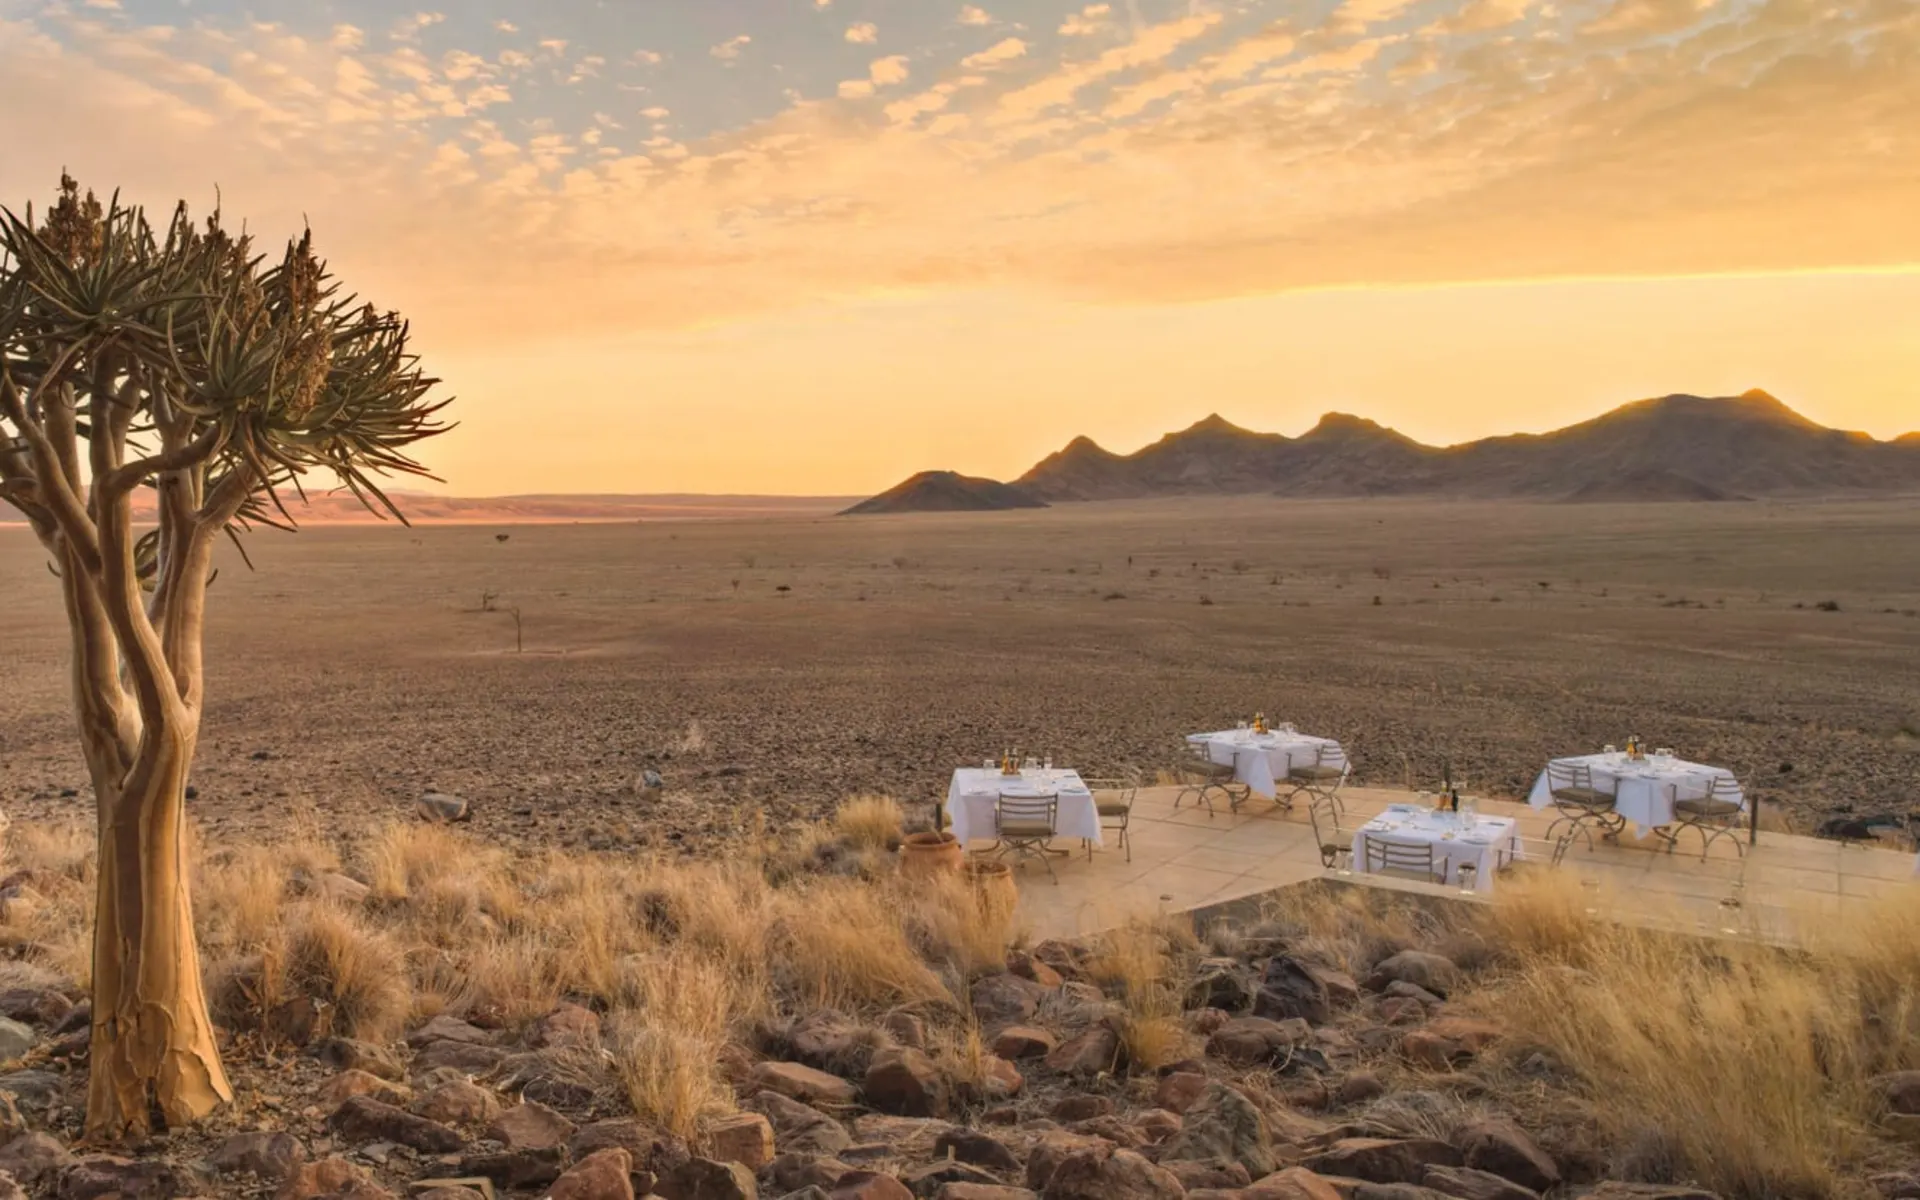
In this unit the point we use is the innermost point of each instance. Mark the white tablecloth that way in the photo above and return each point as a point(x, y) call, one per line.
point(975, 790)
point(1261, 759)
point(1485, 844)
point(1647, 789)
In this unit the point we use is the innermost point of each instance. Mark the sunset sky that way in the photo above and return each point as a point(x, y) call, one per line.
point(814, 245)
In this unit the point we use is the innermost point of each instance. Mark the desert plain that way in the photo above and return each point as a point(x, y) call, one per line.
point(768, 667)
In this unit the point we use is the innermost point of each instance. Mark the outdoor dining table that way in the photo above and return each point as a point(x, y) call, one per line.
point(1483, 843)
point(1648, 787)
point(1261, 760)
point(976, 791)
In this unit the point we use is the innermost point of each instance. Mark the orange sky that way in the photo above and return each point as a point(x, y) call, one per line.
point(785, 247)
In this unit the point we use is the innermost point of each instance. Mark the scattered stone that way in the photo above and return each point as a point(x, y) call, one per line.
point(1224, 1127)
point(1503, 1149)
point(797, 1172)
point(365, 1119)
point(1433, 972)
point(33, 1159)
point(704, 1179)
point(1384, 1160)
point(869, 1185)
point(108, 1177)
point(444, 1028)
point(1180, 1090)
point(1294, 1183)
point(1897, 1185)
point(348, 1084)
point(1400, 1010)
point(1095, 1052)
point(1645, 1191)
point(1024, 1041)
point(1005, 999)
point(926, 1180)
point(1026, 966)
point(568, 1025)
point(1901, 1092)
point(44, 1007)
point(9, 1189)
point(517, 1168)
point(1222, 983)
point(1192, 1175)
point(468, 1057)
point(459, 1102)
point(1000, 1079)
point(1051, 1149)
point(329, 1176)
point(907, 1083)
point(1081, 1106)
point(1360, 1087)
point(1105, 1173)
point(913, 1137)
point(1465, 1183)
point(801, 1128)
point(531, 1126)
point(1445, 1043)
point(1156, 1125)
point(341, 889)
point(1067, 959)
point(980, 1149)
point(1254, 1041)
point(743, 1138)
point(983, 1191)
point(603, 1175)
point(34, 1091)
point(475, 1187)
point(1292, 987)
point(441, 808)
point(348, 1055)
point(12, 1124)
point(561, 1079)
point(270, 1156)
point(1403, 990)
point(804, 1083)
point(906, 1029)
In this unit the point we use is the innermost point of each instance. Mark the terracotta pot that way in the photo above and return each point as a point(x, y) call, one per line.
point(993, 889)
point(930, 854)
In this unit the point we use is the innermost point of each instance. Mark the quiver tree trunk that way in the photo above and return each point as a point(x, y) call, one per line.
point(155, 1061)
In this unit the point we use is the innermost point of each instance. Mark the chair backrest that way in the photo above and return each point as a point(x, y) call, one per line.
point(1023, 809)
point(1393, 856)
point(1200, 750)
point(1331, 754)
point(1126, 785)
point(1569, 775)
point(1724, 787)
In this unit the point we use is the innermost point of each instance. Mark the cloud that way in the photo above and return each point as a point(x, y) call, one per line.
point(730, 49)
point(409, 27)
point(506, 27)
point(863, 33)
point(998, 54)
point(972, 15)
point(889, 70)
point(650, 58)
point(1088, 21)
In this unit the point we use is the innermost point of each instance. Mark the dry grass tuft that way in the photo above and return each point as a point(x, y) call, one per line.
point(1144, 962)
point(870, 822)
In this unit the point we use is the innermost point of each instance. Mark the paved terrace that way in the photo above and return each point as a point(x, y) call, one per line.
point(1184, 859)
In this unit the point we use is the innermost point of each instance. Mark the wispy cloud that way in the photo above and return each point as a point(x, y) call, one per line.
point(730, 49)
point(974, 15)
point(863, 33)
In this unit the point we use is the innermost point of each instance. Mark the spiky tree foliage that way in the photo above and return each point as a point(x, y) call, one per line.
point(178, 362)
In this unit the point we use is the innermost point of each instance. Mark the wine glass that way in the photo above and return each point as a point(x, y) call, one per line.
point(1047, 763)
point(1468, 871)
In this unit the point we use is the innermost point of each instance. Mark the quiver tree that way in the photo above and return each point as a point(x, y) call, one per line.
point(176, 365)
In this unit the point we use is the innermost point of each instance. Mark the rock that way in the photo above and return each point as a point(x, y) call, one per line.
point(804, 1083)
point(444, 1028)
point(1399, 1010)
point(1645, 1191)
point(365, 1119)
point(1394, 1191)
point(44, 1007)
point(1224, 1127)
point(1000, 1079)
point(1503, 1149)
point(341, 889)
point(34, 1159)
point(796, 1172)
point(470, 1058)
point(1445, 1043)
point(743, 1138)
point(1403, 990)
point(1222, 1176)
point(1053, 1148)
point(1080, 1107)
point(913, 1137)
point(799, 1127)
point(906, 1029)
point(557, 1079)
point(603, 1175)
point(1024, 1041)
point(348, 1084)
point(329, 1176)
point(1223, 983)
point(1112, 1129)
point(476, 1187)
point(348, 1055)
point(1104, 1173)
point(1179, 1091)
point(1156, 1125)
point(531, 1126)
point(1253, 1041)
point(1005, 999)
point(704, 1179)
point(517, 1168)
point(1026, 966)
point(270, 1156)
point(11, 1189)
point(1433, 972)
point(1067, 959)
point(459, 1103)
point(568, 1025)
point(1900, 1091)
point(108, 1177)
point(979, 1149)
point(1208, 1021)
point(1360, 1087)
point(34, 1091)
point(869, 1185)
point(983, 1191)
point(1465, 1183)
point(1897, 1185)
point(1291, 988)
point(1294, 1183)
point(1095, 1052)
point(440, 808)
point(1384, 1160)
point(12, 1124)
point(926, 1180)
point(15, 1040)
point(907, 1083)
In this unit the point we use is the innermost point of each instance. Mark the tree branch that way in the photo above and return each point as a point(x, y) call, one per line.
point(57, 491)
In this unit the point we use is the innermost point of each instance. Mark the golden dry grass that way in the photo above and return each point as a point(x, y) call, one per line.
point(870, 822)
point(1140, 961)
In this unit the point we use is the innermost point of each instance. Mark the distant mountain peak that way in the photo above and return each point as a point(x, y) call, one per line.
point(947, 491)
point(1213, 423)
point(1084, 445)
point(1339, 424)
point(1760, 394)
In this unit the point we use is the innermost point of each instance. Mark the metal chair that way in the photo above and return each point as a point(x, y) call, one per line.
point(1713, 816)
point(1333, 846)
point(1582, 806)
point(1200, 777)
point(1405, 862)
point(1321, 779)
point(1113, 800)
point(1025, 824)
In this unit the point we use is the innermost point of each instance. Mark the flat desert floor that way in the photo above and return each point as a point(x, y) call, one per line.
point(768, 668)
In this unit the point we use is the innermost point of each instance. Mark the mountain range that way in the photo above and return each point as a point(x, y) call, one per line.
point(1672, 448)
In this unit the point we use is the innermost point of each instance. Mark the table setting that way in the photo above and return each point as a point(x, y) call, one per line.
point(1261, 756)
point(1649, 784)
point(1461, 838)
point(975, 791)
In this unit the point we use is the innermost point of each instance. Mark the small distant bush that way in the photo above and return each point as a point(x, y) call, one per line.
point(1376, 602)
point(1828, 606)
point(1114, 596)
point(1206, 601)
